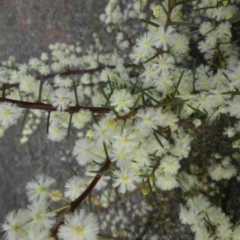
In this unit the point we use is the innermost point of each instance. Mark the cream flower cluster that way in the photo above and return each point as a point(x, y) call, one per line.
point(157, 118)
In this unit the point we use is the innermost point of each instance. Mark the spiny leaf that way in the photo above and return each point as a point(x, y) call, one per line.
point(72, 170)
point(24, 119)
point(151, 58)
point(75, 92)
point(48, 122)
point(185, 1)
point(105, 150)
point(185, 24)
point(3, 90)
point(164, 9)
point(69, 125)
point(149, 22)
point(178, 83)
point(159, 141)
point(40, 90)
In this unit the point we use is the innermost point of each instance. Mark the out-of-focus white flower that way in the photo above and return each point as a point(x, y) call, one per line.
point(122, 101)
point(40, 188)
point(75, 186)
point(125, 179)
point(61, 100)
point(9, 114)
point(79, 226)
point(14, 225)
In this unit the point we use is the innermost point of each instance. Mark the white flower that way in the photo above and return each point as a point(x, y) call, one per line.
point(155, 147)
point(170, 164)
point(163, 37)
point(218, 96)
point(40, 188)
point(204, 102)
point(230, 132)
point(125, 179)
point(236, 233)
point(9, 114)
point(139, 155)
point(29, 84)
point(179, 44)
point(147, 118)
point(56, 132)
point(164, 82)
point(184, 215)
point(83, 149)
point(101, 132)
point(234, 107)
point(126, 140)
point(81, 118)
point(79, 226)
point(61, 100)
point(145, 44)
point(234, 76)
point(75, 187)
point(164, 63)
point(224, 231)
point(205, 27)
point(149, 74)
point(14, 225)
point(122, 158)
point(122, 101)
point(41, 218)
point(166, 181)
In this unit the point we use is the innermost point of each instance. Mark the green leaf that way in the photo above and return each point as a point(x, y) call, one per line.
point(40, 90)
point(151, 58)
point(106, 172)
point(164, 9)
point(20, 95)
point(48, 122)
point(151, 98)
point(135, 104)
point(227, 119)
point(231, 93)
point(24, 119)
point(134, 86)
point(185, 1)
point(185, 24)
point(149, 22)
point(152, 193)
point(95, 24)
point(72, 170)
point(105, 150)
point(69, 125)
point(75, 92)
point(194, 73)
point(204, 8)
point(173, 103)
point(94, 118)
point(90, 203)
point(178, 83)
point(103, 236)
point(159, 141)
point(169, 6)
point(145, 89)
point(225, 75)
point(3, 90)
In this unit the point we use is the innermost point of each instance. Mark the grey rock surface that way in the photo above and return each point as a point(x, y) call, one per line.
point(27, 28)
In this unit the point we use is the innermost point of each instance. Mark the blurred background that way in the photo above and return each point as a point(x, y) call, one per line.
point(26, 30)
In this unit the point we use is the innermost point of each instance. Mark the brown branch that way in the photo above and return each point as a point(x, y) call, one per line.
point(50, 108)
point(75, 204)
point(70, 72)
